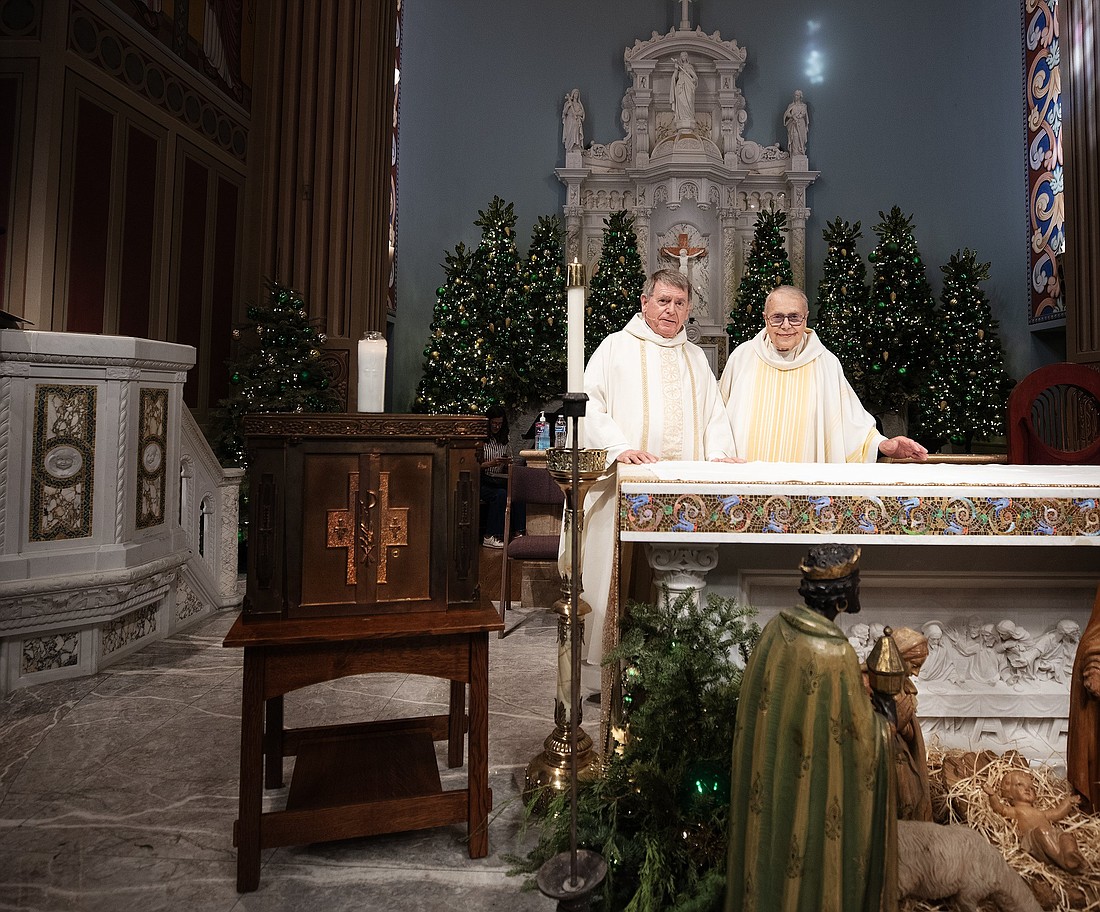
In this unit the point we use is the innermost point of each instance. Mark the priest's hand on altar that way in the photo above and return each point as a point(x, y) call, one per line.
point(736, 459)
point(903, 448)
point(637, 457)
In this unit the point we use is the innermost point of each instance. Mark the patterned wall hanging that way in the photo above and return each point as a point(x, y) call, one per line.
point(1043, 95)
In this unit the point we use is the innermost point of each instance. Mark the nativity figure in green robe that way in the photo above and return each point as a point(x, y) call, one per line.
point(812, 807)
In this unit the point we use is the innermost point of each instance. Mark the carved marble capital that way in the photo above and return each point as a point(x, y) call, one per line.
point(680, 569)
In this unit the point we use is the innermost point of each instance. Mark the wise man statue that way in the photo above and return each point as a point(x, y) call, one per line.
point(813, 821)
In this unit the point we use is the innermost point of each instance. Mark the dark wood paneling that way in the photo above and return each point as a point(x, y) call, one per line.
point(192, 267)
point(9, 108)
point(89, 221)
point(221, 294)
point(138, 232)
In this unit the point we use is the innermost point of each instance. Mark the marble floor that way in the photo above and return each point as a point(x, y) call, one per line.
point(119, 791)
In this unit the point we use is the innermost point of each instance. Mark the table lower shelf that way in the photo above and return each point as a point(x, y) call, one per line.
point(363, 783)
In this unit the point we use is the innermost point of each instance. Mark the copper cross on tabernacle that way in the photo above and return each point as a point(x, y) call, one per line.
point(395, 524)
point(682, 245)
point(341, 528)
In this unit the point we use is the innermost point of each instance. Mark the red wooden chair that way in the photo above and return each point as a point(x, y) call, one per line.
point(1054, 417)
point(527, 485)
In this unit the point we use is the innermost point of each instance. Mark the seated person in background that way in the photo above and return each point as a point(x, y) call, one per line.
point(495, 454)
point(788, 400)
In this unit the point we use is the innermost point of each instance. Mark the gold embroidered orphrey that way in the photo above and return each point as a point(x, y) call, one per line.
point(340, 531)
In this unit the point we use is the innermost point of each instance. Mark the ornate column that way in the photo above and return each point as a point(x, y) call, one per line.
point(727, 217)
point(681, 570)
point(797, 214)
point(643, 97)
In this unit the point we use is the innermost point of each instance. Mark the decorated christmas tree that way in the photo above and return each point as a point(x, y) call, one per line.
point(659, 812)
point(767, 268)
point(967, 386)
point(457, 363)
point(468, 363)
point(500, 299)
point(614, 292)
point(842, 296)
point(278, 368)
point(897, 337)
point(539, 329)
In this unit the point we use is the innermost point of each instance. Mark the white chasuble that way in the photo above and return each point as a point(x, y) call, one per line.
point(795, 406)
point(645, 392)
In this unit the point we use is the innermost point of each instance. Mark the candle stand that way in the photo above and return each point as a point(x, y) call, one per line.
point(570, 877)
point(548, 773)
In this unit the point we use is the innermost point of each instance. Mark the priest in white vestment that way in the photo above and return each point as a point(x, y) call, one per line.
point(651, 396)
point(788, 399)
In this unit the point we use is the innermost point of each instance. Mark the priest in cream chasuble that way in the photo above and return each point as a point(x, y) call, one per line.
point(652, 396)
point(789, 401)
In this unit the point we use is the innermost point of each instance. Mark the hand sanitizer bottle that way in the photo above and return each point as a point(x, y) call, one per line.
point(542, 433)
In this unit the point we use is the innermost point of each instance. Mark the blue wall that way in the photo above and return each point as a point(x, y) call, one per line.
point(918, 105)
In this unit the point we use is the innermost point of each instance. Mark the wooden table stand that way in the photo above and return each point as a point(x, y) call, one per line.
point(367, 778)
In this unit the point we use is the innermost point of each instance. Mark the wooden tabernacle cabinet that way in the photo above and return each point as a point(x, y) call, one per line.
point(361, 513)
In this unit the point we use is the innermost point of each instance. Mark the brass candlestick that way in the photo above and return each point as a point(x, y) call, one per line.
point(573, 877)
point(549, 772)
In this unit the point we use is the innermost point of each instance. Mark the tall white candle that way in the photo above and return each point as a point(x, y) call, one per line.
point(372, 373)
point(575, 328)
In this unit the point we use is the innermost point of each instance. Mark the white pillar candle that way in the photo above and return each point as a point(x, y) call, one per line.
point(372, 373)
point(575, 328)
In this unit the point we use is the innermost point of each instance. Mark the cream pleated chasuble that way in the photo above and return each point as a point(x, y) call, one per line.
point(645, 393)
point(796, 407)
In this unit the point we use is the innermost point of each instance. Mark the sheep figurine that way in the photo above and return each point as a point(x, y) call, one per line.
point(937, 862)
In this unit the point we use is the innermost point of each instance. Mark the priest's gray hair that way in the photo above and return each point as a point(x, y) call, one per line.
point(672, 277)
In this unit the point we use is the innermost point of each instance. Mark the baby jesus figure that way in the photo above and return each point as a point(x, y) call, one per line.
point(1038, 836)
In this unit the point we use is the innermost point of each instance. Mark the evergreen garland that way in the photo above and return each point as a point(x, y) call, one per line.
point(614, 292)
point(768, 267)
point(278, 368)
point(540, 328)
point(842, 311)
point(897, 336)
point(659, 813)
point(967, 388)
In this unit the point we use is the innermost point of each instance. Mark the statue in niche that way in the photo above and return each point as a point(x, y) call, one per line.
point(572, 122)
point(682, 93)
point(684, 253)
point(1038, 835)
point(797, 120)
point(1083, 739)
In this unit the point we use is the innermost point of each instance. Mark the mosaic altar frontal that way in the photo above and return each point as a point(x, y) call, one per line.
point(882, 502)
